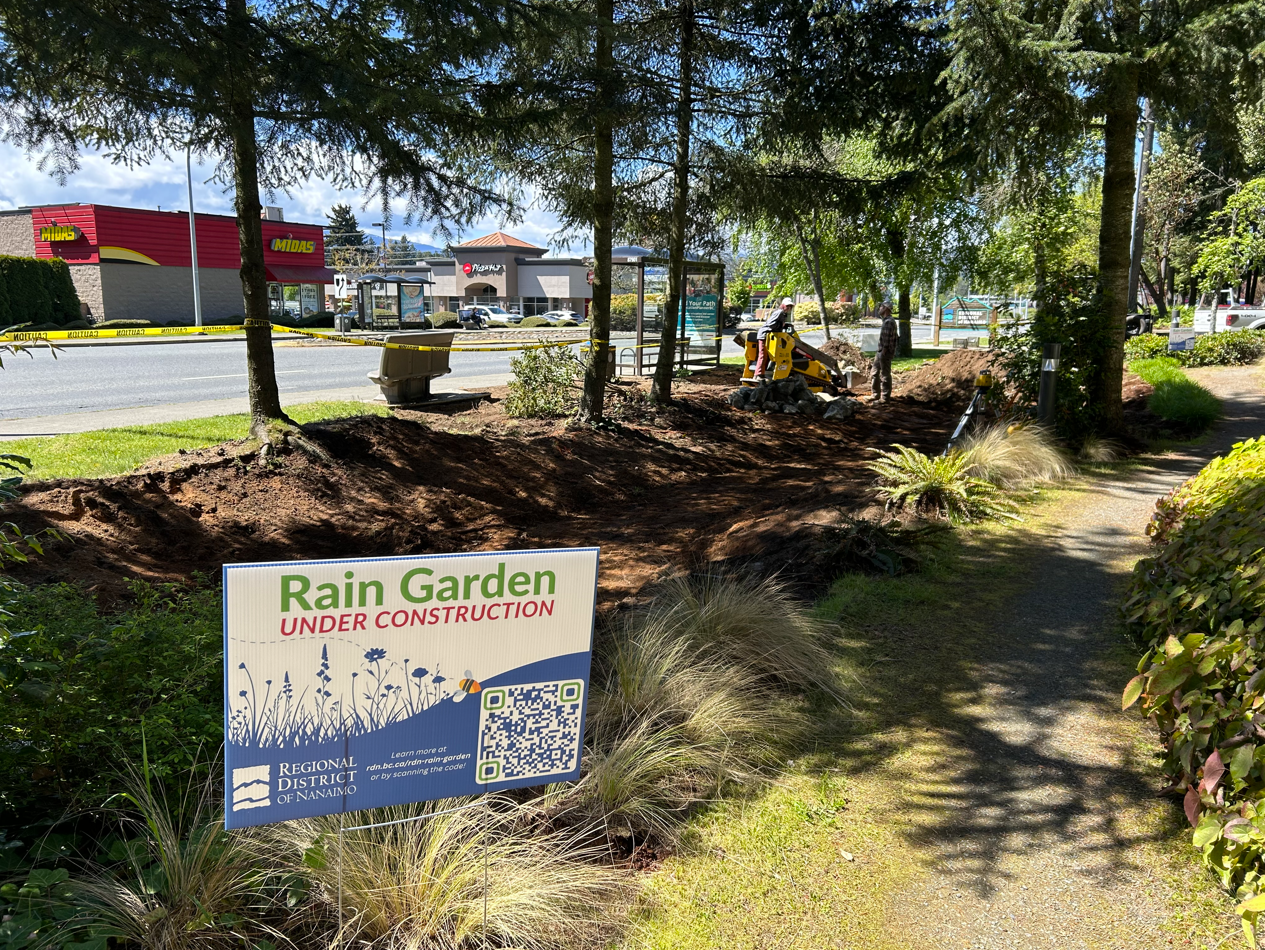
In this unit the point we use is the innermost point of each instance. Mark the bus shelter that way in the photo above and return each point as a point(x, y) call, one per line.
point(393, 302)
point(698, 319)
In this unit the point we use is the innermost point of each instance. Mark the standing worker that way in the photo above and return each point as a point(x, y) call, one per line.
point(881, 378)
point(776, 323)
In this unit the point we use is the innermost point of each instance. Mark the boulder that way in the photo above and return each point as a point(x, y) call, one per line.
point(842, 408)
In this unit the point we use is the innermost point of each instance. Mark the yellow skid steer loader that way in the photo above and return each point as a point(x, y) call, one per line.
point(788, 355)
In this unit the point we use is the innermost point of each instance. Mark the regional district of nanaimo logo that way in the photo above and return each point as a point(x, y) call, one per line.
point(250, 787)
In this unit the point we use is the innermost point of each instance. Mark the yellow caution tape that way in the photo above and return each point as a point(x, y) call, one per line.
point(111, 334)
point(382, 344)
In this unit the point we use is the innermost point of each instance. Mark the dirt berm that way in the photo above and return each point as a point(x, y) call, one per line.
point(689, 486)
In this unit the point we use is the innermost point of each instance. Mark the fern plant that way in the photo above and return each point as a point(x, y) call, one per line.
point(938, 486)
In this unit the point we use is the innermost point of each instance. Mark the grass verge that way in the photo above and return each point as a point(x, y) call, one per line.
point(115, 451)
point(1177, 397)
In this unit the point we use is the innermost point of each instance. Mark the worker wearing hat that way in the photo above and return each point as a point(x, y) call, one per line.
point(776, 323)
point(881, 372)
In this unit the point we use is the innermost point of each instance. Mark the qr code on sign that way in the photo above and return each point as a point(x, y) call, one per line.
point(529, 731)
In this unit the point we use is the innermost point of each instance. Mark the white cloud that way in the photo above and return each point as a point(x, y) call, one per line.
point(162, 184)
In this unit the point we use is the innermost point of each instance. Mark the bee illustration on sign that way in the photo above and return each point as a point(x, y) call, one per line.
point(465, 686)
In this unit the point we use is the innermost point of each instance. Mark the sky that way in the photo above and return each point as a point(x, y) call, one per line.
point(163, 185)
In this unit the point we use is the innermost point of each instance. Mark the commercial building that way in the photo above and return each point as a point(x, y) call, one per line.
point(498, 268)
point(132, 263)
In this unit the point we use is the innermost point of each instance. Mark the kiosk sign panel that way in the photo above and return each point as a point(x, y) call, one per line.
point(362, 683)
point(701, 321)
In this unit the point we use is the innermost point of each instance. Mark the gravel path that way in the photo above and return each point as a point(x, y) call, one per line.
point(1038, 817)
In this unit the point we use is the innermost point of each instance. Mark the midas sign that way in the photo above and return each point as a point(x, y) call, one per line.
point(291, 246)
point(60, 232)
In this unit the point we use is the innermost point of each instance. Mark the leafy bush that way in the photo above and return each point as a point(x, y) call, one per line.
point(63, 298)
point(1177, 397)
point(445, 320)
point(1071, 317)
point(80, 684)
point(1236, 348)
point(543, 383)
point(232, 320)
point(566, 323)
point(940, 486)
point(496, 325)
point(1015, 456)
point(1145, 346)
point(26, 281)
point(534, 322)
point(807, 314)
point(1199, 606)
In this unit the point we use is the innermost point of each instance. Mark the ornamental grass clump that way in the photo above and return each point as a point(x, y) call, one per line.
point(938, 486)
point(691, 695)
point(1177, 397)
point(1015, 456)
point(418, 884)
point(175, 881)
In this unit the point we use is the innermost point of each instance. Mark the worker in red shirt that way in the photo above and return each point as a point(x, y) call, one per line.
point(776, 323)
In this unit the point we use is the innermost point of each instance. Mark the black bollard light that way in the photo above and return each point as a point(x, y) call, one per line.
point(1049, 373)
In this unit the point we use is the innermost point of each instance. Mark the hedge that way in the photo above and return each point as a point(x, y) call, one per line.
point(1229, 348)
point(38, 291)
point(1199, 607)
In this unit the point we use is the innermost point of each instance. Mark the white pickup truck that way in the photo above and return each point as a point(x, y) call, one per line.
point(1217, 312)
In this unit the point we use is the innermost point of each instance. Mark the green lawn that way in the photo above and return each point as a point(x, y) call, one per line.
point(115, 451)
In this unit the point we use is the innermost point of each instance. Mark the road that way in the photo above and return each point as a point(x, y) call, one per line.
point(99, 386)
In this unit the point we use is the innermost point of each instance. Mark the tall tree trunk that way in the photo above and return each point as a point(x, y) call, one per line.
point(593, 397)
point(810, 251)
point(905, 343)
point(661, 388)
point(1115, 226)
point(261, 377)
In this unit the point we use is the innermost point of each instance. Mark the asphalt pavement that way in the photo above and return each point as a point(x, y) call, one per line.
point(101, 386)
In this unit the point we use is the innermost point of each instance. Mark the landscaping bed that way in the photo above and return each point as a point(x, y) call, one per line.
point(693, 483)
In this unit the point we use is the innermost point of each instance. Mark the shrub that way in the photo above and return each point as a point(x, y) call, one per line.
point(543, 383)
point(445, 320)
point(941, 486)
point(1199, 606)
point(624, 312)
point(63, 298)
point(80, 324)
point(1177, 397)
point(566, 323)
point(1235, 348)
point(232, 320)
point(1015, 456)
point(496, 325)
point(85, 684)
point(26, 281)
point(1071, 318)
point(533, 322)
point(1145, 346)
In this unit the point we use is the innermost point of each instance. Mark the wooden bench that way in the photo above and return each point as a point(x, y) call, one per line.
point(404, 375)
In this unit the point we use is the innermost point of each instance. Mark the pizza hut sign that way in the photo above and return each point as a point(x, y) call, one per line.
point(478, 270)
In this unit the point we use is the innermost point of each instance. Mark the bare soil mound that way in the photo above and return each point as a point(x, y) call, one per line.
point(846, 353)
point(694, 484)
point(950, 379)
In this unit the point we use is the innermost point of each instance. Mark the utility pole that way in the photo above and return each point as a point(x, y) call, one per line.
point(1135, 261)
point(193, 240)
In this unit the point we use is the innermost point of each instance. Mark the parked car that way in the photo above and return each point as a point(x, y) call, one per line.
point(500, 314)
point(1217, 312)
point(557, 316)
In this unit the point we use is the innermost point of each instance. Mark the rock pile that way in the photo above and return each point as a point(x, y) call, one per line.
point(792, 396)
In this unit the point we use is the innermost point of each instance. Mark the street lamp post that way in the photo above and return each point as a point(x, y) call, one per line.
point(382, 225)
point(193, 240)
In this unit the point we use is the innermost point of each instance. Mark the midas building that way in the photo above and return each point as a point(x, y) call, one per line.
point(132, 263)
point(500, 269)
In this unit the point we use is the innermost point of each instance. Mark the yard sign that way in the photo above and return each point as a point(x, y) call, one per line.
point(361, 683)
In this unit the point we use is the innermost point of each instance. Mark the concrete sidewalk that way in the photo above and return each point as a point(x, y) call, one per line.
point(174, 412)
